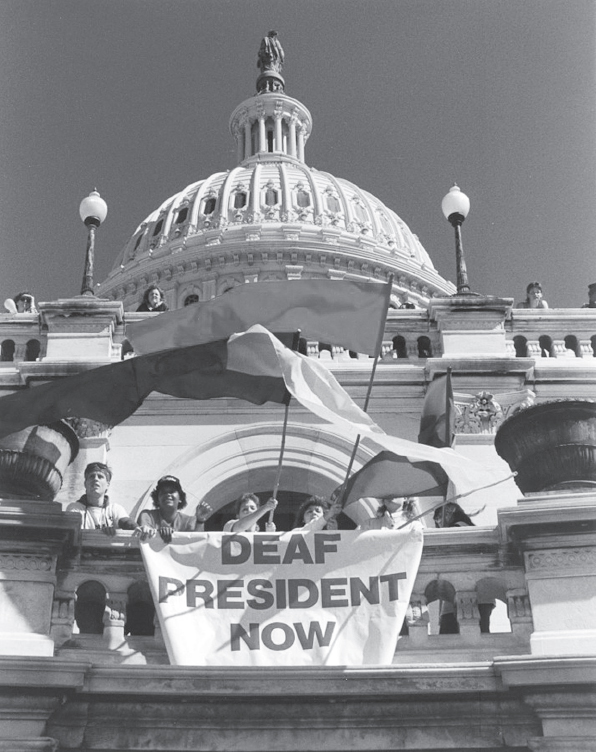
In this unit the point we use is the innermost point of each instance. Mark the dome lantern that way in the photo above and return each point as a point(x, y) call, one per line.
point(270, 125)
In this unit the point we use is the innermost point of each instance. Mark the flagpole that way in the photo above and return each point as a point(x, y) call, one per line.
point(448, 394)
point(371, 380)
point(295, 345)
point(454, 498)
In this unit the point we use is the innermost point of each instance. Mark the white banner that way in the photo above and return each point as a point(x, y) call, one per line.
point(283, 599)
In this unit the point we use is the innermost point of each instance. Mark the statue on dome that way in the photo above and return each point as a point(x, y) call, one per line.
point(271, 54)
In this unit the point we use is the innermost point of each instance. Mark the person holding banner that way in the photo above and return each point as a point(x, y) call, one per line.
point(248, 511)
point(168, 499)
point(316, 513)
point(392, 514)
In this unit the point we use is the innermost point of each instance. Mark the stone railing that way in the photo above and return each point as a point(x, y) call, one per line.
point(410, 335)
point(103, 608)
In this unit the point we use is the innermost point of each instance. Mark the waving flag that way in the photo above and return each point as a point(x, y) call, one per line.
point(254, 366)
point(388, 476)
point(349, 314)
point(438, 414)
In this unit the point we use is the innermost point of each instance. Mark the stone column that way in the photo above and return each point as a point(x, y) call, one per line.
point(418, 620)
point(114, 618)
point(553, 535)
point(471, 325)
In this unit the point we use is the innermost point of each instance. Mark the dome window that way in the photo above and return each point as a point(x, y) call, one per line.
point(191, 299)
point(303, 199)
point(158, 228)
point(271, 196)
point(182, 215)
point(332, 203)
point(240, 200)
point(360, 212)
point(209, 207)
point(138, 243)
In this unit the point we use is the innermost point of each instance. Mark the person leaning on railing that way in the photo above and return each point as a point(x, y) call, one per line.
point(166, 518)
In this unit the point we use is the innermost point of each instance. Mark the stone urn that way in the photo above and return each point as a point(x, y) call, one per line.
point(33, 461)
point(552, 445)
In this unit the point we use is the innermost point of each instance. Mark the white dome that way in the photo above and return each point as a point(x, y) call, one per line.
point(271, 217)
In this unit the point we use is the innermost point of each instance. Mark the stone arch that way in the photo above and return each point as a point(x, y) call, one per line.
point(140, 611)
point(491, 596)
point(443, 616)
point(90, 606)
point(245, 459)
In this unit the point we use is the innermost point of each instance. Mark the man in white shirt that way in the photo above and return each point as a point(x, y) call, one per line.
point(94, 506)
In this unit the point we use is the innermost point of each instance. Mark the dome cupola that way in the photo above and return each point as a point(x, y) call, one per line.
point(270, 217)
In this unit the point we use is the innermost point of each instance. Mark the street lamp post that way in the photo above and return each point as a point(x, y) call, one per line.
point(456, 206)
point(93, 211)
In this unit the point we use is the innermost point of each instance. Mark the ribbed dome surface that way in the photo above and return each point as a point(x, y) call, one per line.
point(274, 194)
point(271, 217)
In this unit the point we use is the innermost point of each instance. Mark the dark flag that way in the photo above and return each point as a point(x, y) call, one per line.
point(438, 414)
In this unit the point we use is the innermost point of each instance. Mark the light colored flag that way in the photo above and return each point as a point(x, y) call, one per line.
point(350, 314)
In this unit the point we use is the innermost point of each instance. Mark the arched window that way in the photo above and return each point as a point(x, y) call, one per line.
point(332, 203)
point(32, 350)
point(521, 346)
point(158, 228)
point(424, 348)
point(182, 215)
point(7, 351)
point(546, 346)
point(89, 607)
point(360, 212)
point(140, 611)
point(302, 198)
point(443, 620)
point(491, 596)
point(239, 200)
point(399, 345)
point(271, 196)
point(190, 299)
point(209, 206)
point(572, 344)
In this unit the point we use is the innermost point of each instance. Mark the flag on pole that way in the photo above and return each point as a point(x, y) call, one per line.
point(350, 314)
point(254, 366)
point(438, 414)
point(389, 475)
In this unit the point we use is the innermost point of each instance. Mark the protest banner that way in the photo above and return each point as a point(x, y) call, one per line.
point(283, 599)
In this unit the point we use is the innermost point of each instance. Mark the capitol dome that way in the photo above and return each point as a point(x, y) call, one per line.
point(272, 217)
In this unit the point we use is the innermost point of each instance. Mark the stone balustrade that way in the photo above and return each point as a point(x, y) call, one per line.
point(410, 335)
point(103, 608)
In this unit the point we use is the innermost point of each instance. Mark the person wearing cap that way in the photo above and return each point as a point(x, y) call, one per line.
point(591, 296)
point(534, 297)
point(168, 499)
point(94, 506)
point(392, 514)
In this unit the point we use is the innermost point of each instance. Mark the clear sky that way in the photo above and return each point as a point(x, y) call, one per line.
point(407, 96)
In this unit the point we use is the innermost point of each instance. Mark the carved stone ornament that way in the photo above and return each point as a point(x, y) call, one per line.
point(85, 428)
point(483, 414)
